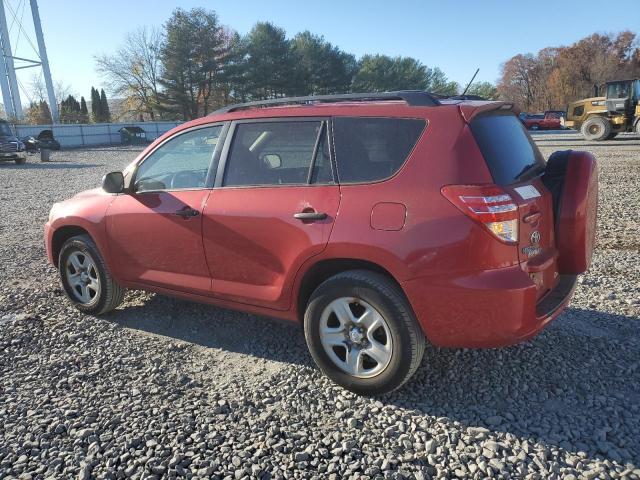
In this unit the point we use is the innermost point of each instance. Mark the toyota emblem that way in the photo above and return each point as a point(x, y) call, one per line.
point(535, 237)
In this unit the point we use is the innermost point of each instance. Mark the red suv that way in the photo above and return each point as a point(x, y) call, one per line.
point(376, 220)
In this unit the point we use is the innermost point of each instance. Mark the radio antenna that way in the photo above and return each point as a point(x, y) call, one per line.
point(469, 84)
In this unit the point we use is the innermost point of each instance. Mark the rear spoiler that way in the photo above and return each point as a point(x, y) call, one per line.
point(472, 109)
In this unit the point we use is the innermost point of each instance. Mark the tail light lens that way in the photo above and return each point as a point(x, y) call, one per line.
point(489, 205)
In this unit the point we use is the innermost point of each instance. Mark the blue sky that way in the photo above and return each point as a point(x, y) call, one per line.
point(457, 36)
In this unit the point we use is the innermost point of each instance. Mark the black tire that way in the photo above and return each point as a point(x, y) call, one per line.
point(612, 135)
point(535, 126)
point(20, 161)
point(408, 341)
point(110, 294)
point(596, 129)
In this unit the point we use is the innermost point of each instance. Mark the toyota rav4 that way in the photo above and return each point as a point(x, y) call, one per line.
point(377, 221)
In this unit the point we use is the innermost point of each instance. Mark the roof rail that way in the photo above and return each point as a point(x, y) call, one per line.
point(414, 98)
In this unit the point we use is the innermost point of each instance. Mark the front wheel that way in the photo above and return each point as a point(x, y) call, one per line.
point(86, 278)
point(596, 129)
point(362, 332)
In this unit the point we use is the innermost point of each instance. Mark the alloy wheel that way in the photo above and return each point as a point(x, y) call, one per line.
point(82, 276)
point(356, 337)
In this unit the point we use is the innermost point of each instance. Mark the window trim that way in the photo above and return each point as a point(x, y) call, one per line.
point(228, 142)
point(404, 162)
point(215, 157)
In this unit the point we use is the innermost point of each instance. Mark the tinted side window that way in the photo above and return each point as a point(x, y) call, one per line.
point(180, 163)
point(371, 149)
point(272, 153)
point(508, 150)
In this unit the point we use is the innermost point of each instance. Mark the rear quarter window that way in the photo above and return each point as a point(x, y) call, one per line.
point(372, 149)
point(508, 149)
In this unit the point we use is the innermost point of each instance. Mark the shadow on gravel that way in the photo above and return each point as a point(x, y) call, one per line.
point(119, 148)
point(212, 327)
point(572, 386)
point(58, 165)
point(579, 146)
point(611, 142)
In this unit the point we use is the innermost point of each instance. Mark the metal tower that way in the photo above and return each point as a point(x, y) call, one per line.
point(8, 80)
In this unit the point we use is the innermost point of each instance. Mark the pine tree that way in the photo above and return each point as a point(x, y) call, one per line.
point(95, 105)
point(84, 112)
point(44, 113)
point(193, 59)
point(104, 107)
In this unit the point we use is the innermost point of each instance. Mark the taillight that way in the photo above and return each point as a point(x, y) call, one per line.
point(489, 205)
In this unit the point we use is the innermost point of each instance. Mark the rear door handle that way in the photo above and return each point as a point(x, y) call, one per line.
point(310, 216)
point(187, 212)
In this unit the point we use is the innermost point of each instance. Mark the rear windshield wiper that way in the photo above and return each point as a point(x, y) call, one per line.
point(531, 169)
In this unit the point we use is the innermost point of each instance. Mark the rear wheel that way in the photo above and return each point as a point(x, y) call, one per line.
point(20, 160)
point(596, 129)
point(86, 278)
point(535, 126)
point(362, 333)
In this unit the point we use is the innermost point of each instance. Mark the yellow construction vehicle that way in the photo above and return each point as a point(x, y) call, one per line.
point(602, 118)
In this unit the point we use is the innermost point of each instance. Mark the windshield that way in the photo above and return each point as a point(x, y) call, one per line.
point(5, 130)
point(507, 148)
point(618, 90)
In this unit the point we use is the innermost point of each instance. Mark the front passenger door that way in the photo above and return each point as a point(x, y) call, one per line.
point(155, 231)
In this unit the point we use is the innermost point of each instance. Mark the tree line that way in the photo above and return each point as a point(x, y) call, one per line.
point(71, 110)
point(194, 64)
point(556, 76)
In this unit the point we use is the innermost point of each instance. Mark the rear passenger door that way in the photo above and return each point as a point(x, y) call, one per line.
point(273, 207)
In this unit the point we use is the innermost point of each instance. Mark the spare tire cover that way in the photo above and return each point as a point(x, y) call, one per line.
point(576, 209)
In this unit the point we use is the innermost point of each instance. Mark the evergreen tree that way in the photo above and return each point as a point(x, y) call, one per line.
point(45, 114)
point(484, 89)
point(84, 112)
point(380, 73)
point(320, 68)
point(269, 65)
point(96, 112)
point(105, 113)
point(193, 58)
point(70, 110)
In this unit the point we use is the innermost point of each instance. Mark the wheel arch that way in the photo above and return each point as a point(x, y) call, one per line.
point(61, 235)
point(326, 268)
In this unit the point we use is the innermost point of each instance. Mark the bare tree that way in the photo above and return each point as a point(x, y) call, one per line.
point(556, 76)
point(39, 89)
point(133, 71)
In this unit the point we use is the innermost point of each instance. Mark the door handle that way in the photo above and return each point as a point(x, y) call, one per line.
point(310, 216)
point(187, 212)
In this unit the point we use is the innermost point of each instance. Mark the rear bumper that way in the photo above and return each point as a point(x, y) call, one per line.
point(487, 309)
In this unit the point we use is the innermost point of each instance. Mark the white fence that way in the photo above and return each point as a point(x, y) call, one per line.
point(79, 135)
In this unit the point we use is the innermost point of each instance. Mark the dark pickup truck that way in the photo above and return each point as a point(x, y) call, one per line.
point(11, 149)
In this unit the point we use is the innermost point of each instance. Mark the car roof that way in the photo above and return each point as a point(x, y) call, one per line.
point(406, 103)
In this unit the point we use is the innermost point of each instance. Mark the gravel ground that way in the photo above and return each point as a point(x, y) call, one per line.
point(164, 388)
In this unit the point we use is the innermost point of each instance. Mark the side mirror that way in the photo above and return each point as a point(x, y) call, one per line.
point(113, 182)
point(272, 160)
